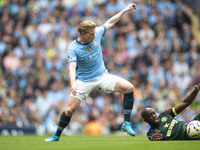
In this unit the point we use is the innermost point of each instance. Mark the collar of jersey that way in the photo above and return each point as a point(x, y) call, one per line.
point(81, 44)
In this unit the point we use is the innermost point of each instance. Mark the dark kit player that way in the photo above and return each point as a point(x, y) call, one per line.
point(165, 126)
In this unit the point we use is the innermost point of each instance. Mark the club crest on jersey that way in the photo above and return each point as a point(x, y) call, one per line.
point(163, 119)
point(95, 43)
point(68, 56)
point(89, 48)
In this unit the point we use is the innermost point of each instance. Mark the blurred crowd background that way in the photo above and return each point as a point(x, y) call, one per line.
point(156, 47)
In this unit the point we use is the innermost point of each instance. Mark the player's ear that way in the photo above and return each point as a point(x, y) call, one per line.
point(82, 33)
point(145, 120)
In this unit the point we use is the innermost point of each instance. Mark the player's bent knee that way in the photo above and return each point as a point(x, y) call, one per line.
point(69, 112)
point(130, 88)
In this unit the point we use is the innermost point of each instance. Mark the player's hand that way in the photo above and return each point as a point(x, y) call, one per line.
point(74, 88)
point(130, 7)
point(197, 87)
point(157, 136)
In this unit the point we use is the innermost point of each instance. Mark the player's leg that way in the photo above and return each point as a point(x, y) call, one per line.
point(125, 87)
point(73, 103)
point(110, 83)
point(84, 88)
point(65, 117)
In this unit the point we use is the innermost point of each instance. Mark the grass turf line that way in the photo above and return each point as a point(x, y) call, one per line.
point(84, 142)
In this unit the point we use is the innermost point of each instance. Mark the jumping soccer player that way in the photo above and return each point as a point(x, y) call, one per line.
point(87, 72)
point(165, 126)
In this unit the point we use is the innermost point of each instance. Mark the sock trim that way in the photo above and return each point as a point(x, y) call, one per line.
point(127, 111)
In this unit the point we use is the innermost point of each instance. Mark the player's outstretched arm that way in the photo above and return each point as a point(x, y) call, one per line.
point(188, 100)
point(113, 20)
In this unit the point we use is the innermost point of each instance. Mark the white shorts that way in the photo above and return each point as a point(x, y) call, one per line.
point(105, 82)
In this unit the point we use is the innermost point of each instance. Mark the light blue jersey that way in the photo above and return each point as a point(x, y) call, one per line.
point(88, 58)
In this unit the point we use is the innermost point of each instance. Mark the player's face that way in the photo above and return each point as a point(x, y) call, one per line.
point(151, 117)
point(89, 37)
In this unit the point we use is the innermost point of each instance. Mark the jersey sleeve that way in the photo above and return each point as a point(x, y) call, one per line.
point(174, 111)
point(170, 112)
point(72, 57)
point(100, 31)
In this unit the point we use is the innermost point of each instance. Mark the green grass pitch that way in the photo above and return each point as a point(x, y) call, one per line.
point(84, 142)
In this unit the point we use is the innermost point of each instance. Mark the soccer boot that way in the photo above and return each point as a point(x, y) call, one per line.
point(53, 138)
point(126, 127)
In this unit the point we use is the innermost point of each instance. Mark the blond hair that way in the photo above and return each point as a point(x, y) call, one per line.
point(85, 26)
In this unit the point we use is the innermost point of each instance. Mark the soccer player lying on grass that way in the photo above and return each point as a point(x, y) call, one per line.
point(166, 127)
